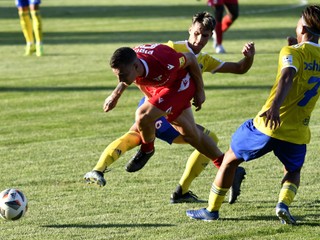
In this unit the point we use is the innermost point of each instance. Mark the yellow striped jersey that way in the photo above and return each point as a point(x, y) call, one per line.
point(296, 109)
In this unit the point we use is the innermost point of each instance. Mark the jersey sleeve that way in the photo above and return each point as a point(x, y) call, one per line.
point(208, 63)
point(289, 57)
point(170, 44)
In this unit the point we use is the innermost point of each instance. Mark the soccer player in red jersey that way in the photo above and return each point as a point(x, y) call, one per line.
point(170, 80)
point(223, 21)
point(200, 33)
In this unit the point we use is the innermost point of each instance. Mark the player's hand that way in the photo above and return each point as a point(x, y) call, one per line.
point(249, 49)
point(110, 103)
point(292, 41)
point(198, 99)
point(272, 117)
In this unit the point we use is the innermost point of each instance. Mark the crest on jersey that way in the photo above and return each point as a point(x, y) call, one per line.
point(287, 60)
point(182, 61)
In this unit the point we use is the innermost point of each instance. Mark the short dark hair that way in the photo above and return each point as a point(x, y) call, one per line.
point(311, 16)
point(206, 19)
point(122, 56)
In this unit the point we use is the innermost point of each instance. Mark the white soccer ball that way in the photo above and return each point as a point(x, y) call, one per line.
point(13, 204)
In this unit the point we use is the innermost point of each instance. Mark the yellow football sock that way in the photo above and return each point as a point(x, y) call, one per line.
point(287, 193)
point(195, 165)
point(117, 148)
point(37, 25)
point(216, 197)
point(26, 25)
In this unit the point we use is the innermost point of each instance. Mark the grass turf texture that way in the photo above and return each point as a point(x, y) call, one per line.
point(53, 128)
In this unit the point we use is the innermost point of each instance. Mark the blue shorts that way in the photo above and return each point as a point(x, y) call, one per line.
point(248, 143)
point(164, 129)
point(25, 3)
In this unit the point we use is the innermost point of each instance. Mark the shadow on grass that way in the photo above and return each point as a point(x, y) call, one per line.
point(102, 88)
point(104, 37)
point(112, 225)
point(300, 219)
point(91, 37)
point(111, 14)
point(56, 89)
point(149, 11)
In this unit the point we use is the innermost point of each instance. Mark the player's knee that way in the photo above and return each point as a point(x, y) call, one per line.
point(143, 119)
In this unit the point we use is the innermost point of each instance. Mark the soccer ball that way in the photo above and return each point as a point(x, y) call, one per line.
point(13, 204)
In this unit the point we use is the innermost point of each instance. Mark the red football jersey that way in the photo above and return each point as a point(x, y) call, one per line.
point(163, 65)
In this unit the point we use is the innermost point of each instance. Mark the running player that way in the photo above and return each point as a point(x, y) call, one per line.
point(223, 21)
point(200, 32)
point(169, 80)
point(282, 125)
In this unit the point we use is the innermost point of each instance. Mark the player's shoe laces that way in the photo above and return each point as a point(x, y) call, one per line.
point(220, 49)
point(39, 50)
point(138, 161)
point(30, 48)
point(188, 197)
point(95, 177)
point(203, 214)
point(235, 188)
point(284, 215)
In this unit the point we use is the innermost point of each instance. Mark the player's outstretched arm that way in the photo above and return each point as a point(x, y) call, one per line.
point(244, 64)
point(111, 101)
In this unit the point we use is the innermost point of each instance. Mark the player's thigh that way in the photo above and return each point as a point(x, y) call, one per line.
point(233, 10)
point(215, 2)
point(230, 2)
point(34, 2)
point(291, 155)
point(148, 112)
point(185, 124)
point(249, 143)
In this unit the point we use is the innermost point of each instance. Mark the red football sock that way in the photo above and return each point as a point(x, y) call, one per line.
point(218, 161)
point(147, 147)
point(226, 23)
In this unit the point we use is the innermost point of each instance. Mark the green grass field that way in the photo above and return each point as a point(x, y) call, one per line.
point(53, 128)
